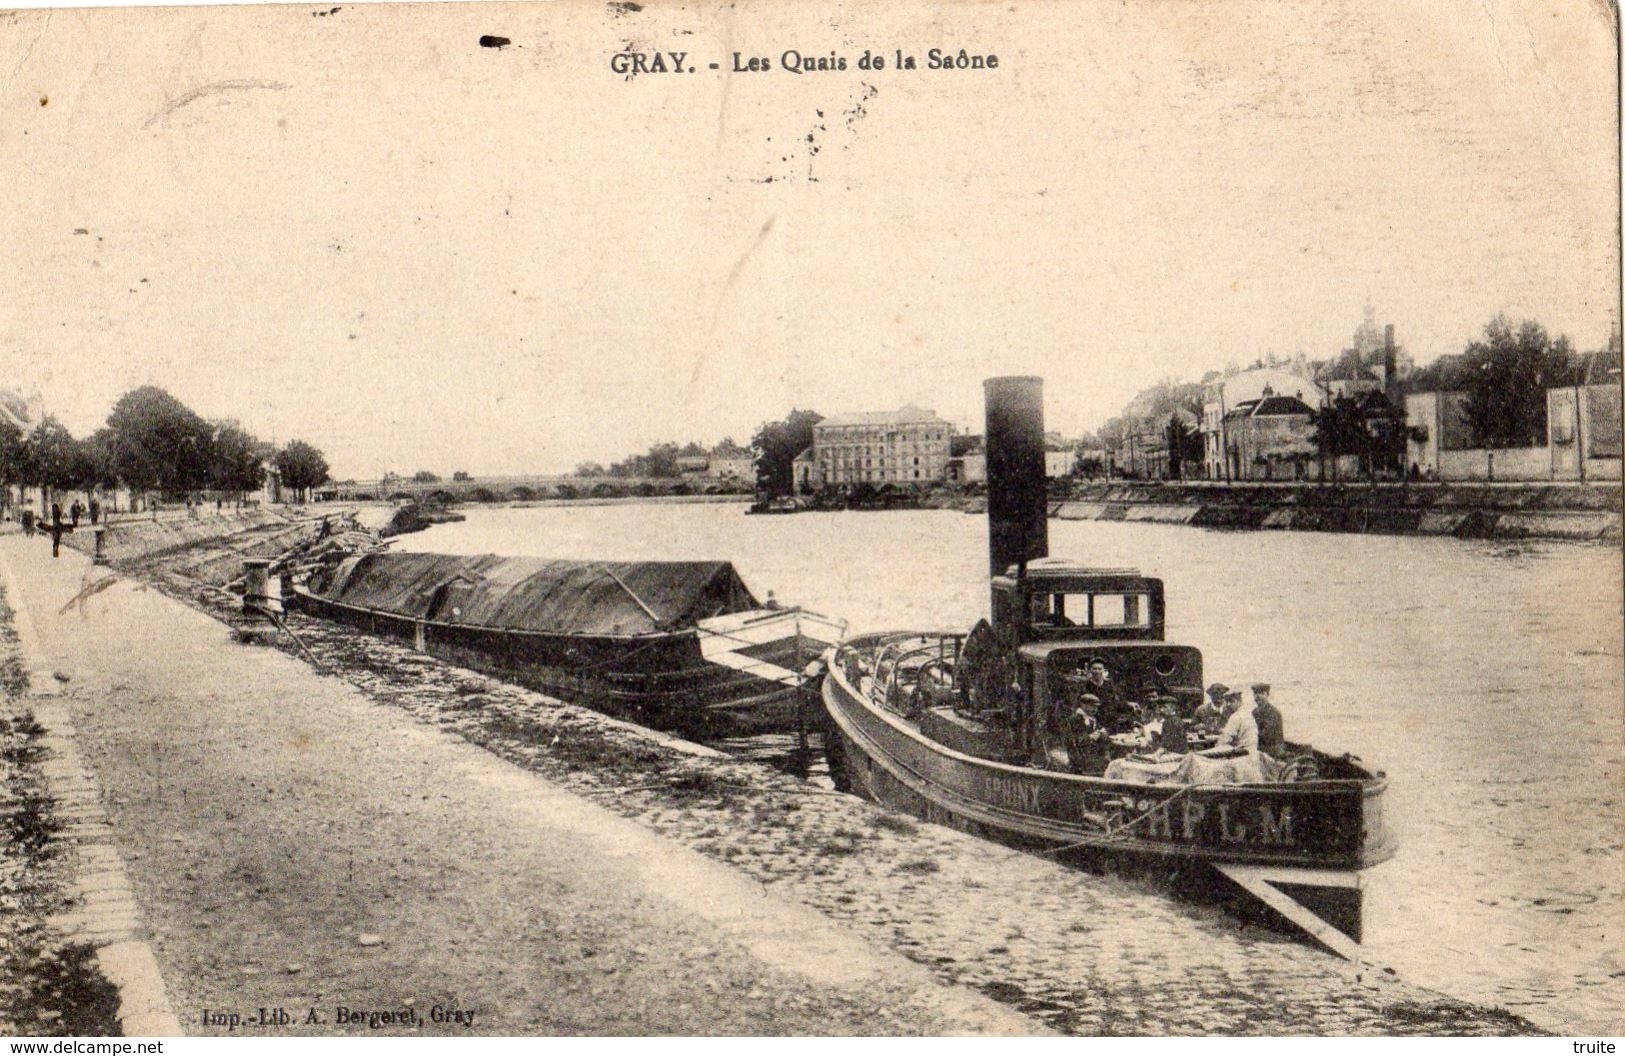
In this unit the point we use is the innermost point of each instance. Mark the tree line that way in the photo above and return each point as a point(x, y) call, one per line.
point(773, 447)
point(152, 443)
point(660, 461)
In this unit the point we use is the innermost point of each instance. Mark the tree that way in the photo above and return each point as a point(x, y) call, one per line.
point(422, 476)
point(661, 461)
point(236, 463)
point(1184, 445)
point(1442, 375)
point(1339, 430)
point(1506, 378)
point(93, 465)
point(14, 468)
point(777, 444)
point(302, 467)
point(1385, 425)
point(159, 443)
point(53, 455)
point(16, 461)
point(461, 475)
point(589, 469)
point(1113, 435)
point(1156, 403)
point(1368, 426)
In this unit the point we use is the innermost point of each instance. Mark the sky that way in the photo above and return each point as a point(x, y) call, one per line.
point(359, 227)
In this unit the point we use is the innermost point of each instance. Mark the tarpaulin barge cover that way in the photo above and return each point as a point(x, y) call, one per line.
point(535, 594)
point(618, 636)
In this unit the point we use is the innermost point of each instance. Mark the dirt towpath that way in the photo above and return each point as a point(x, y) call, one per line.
point(295, 846)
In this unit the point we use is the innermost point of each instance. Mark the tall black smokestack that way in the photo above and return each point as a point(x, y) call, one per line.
point(1017, 505)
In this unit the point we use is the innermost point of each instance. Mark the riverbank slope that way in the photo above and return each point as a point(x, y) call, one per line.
point(1576, 512)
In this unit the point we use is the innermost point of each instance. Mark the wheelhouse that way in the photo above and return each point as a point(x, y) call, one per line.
point(1055, 601)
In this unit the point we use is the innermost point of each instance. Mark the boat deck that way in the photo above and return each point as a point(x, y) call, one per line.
point(957, 769)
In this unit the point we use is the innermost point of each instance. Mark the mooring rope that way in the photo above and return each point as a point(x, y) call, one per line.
point(1116, 834)
point(282, 624)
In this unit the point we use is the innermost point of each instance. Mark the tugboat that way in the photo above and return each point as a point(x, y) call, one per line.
point(980, 731)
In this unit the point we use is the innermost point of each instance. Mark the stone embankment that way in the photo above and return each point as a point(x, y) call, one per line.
point(254, 532)
point(208, 548)
point(1588, 513)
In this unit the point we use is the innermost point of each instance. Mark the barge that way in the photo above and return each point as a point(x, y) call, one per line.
point(681, 646)
point(984, 731)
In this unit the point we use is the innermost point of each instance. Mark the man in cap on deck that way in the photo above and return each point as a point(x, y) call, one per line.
point(1104, 689)
point(1240, 727)
point(1271, 731)
point(1086, 740)
point(1172, 738)
point(1209, 715)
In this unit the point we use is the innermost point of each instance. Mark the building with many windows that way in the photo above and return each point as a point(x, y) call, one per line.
point(905, 446)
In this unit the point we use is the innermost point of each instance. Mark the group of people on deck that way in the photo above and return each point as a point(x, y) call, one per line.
point(1098, 709)
point(1257, 728)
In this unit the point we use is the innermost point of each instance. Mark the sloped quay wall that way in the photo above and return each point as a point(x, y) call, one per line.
point(1508, 511)
point(139, 539)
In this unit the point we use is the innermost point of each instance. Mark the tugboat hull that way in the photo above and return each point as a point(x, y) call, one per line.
point(1326, 824)
point(1298, 846)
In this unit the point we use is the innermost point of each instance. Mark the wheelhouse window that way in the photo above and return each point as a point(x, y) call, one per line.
point(1091, 610)
point(1121, 610)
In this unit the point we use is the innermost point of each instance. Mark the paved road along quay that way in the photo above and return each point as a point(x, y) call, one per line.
point(292, 813)
point(294, 845)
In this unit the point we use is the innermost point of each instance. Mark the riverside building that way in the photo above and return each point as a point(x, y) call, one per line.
point(905, 446)
point(1245, 390)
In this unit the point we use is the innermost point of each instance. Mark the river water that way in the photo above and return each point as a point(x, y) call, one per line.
point(1485, 678)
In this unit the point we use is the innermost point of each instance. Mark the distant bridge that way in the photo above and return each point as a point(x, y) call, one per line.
point(528, 488)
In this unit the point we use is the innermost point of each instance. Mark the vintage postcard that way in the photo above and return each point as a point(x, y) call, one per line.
point(814, 518)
